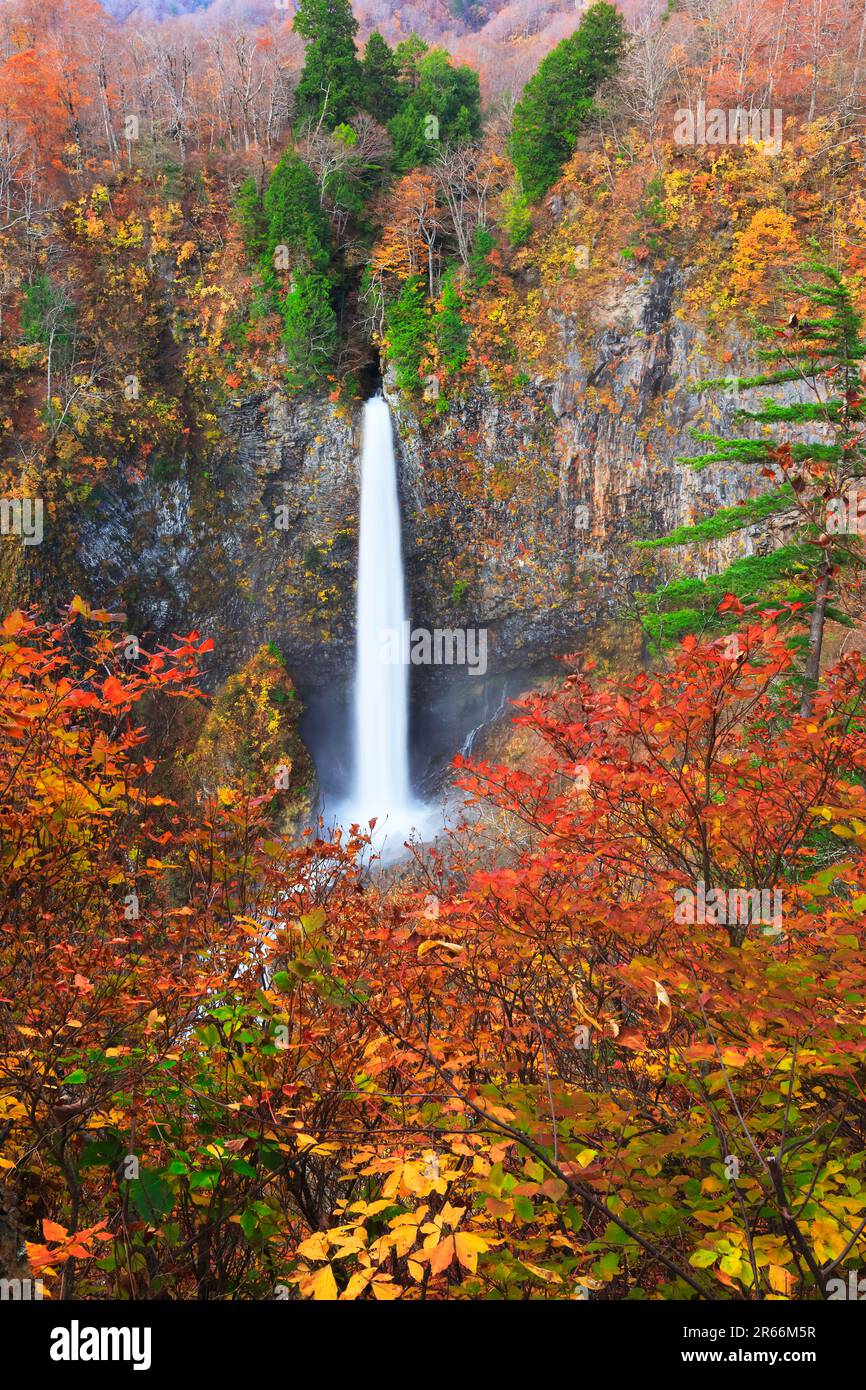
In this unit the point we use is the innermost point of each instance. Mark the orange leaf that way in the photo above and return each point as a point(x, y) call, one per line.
point(442, 1256)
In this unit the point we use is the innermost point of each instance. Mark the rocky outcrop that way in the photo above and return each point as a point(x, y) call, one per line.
point(249, 738)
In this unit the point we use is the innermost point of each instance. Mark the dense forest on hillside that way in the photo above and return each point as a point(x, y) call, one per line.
point(604, 1039)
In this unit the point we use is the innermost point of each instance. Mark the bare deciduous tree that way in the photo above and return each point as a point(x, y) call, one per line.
point(467, 174)
point(646, 80)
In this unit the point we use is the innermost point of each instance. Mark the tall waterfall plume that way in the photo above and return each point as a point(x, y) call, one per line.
point(381, 684)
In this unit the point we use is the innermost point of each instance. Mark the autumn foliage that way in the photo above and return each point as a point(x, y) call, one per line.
point(234, 1065)
point(555, 1055)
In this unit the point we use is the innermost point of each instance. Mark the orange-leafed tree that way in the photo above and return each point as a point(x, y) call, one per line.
point(413, 226)
point(648, 1076)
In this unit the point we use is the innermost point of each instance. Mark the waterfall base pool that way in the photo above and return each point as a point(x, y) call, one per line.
point(388, 837)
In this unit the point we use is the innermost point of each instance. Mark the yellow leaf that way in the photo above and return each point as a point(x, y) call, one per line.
point(368, 1208)
point(357, 1284)
point(442, 1255)
point(315, 1247)
point(402, 1240)
point(13, 623)
point(308, 1145)
point(431, 945)
point(414, 1179)
point(323, 1285)
point(468, 1248)
point(663, 1004)
point(384, 1289)
point(780, 1280)
point(548, 1275)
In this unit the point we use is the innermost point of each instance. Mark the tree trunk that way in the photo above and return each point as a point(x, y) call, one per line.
point(861, 47)
point(816, 638)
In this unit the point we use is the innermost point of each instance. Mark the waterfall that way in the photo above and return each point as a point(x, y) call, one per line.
point(382, 676)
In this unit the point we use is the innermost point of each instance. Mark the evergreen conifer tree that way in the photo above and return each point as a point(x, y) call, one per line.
point(331, 83)
point(558, 98)
point(815, 478)
point(310, 335)
point(380, 75)
point(294, 217)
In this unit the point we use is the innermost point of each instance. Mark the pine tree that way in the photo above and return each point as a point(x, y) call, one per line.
point(406, 328)
point(294, 218)
point(331, 84)
point(443, 103)
point(451, 329)
point(47, 318)
point(380, 77)
point(251, 217)
point(515, 215)
point(480, 269)
point(310, 335)
point(557, 100)
point(815, 478)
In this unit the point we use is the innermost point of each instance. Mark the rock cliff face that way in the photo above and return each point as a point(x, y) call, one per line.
point(518, 517)
point(254, 542)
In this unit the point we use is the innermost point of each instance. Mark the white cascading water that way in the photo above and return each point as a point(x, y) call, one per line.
point(381, 685)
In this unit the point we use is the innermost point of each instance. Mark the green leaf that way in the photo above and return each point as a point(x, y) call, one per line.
point(208, 1179)
point(574, 1217)
point(151, 1195)
point(101, 1153)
